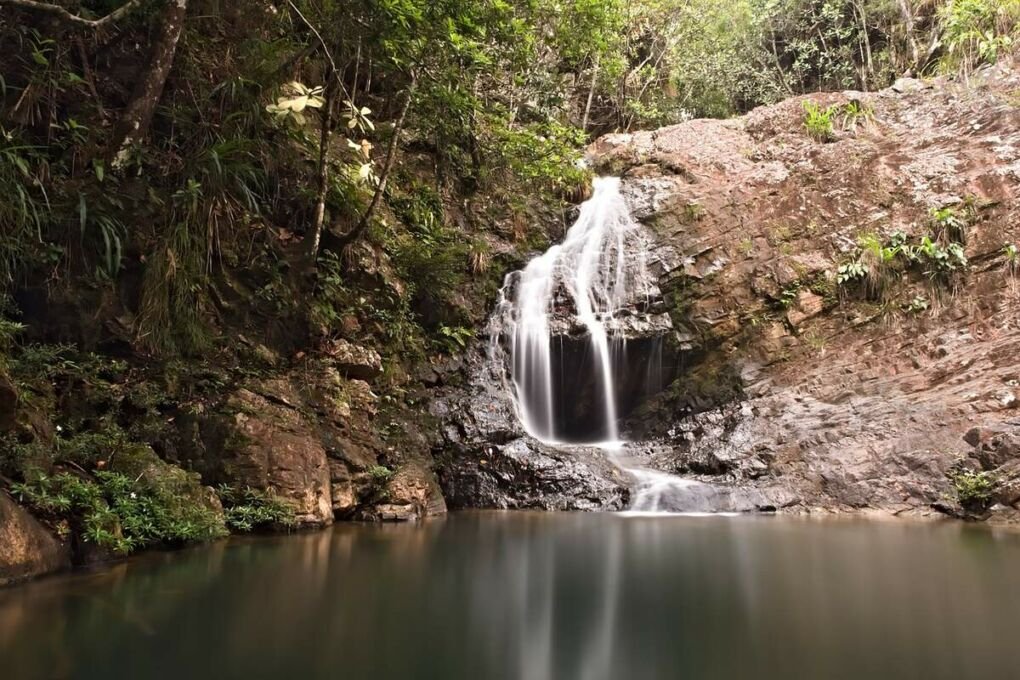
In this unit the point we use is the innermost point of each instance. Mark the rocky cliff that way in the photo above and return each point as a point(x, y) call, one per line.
point(836, 300)
point(844, 302)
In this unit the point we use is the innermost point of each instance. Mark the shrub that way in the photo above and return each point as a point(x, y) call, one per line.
point(974, 489)
point(250, 509)
point(123, 513)
point(940, 263)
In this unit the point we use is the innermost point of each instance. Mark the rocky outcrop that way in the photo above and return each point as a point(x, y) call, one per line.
point(486, 460)
point(523, 473)
point(412, 493)
point(27, 548)
point(354, 361)
point(840, 399)
point(308, 438)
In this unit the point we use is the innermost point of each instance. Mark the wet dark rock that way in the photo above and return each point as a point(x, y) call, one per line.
point(486, 460)
point(994, 446)
point(27, 548)
point(524, 473)
point(8, 404)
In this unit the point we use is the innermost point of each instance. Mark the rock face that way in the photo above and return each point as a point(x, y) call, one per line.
point(835, 399)
point(486, 460)
point(307, 438)
point(28, 548)
point(355, 361)
point(267, 444)
point(796, 393)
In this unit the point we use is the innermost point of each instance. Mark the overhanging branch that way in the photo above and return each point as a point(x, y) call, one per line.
point(63, 14)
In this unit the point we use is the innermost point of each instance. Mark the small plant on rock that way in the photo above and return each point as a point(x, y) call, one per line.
point(1012, 255)
point(819, 122)
point(917, 305)
point(940, 263)
point(949, 224)
point(855, 114)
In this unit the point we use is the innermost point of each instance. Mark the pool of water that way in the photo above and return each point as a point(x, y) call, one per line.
point(539, 596)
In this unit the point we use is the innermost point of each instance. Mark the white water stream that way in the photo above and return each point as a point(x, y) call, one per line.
point(584, 286)
point(588, 279)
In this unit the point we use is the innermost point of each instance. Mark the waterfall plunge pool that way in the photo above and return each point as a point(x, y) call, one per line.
point(557, 596)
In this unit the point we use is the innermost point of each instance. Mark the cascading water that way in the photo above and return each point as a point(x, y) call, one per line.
point(580, 286)
point(558, 340)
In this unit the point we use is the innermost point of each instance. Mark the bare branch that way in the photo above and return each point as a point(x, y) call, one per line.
point(67, 16)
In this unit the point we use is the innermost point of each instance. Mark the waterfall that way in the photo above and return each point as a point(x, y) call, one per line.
point(558, 342)
point(582, 287)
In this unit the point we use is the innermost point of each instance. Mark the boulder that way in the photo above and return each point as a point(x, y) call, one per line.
point(524, 473)
point(354, 361)
point(412, 493)
point(806, 306)
point(27, 548)
point(994, 446)
point(343, 489)
point(272, 448)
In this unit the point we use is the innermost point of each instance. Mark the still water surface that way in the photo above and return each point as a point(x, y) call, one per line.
point(540, 596)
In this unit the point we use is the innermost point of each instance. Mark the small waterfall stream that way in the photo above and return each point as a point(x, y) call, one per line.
point(586, 291)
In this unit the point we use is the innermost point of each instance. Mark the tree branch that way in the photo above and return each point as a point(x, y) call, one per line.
point(384, 176)
point(67, 16)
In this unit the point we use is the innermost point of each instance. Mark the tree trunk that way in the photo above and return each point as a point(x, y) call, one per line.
point(324, 136)
point(908, 24)
point(136, 118)
point(591, 93)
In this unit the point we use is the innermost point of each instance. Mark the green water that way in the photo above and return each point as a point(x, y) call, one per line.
point(554, 596)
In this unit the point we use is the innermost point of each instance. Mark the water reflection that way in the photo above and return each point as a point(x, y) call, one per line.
point(539, 597)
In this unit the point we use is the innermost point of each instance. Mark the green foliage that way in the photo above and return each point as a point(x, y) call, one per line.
point(854, 114)
point(873, 265)
point(850, 272)
point(1009, 251)
point(122, 513)
point(453, 338)
point(545, 156)
point(25, 208)
point(249, 509)
point(976, 32)
point(917, 305)
point(877, 264)
point(939, 262)
point(819, 122)
point(429, 255)
point(974, 490)
point(951, 223)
